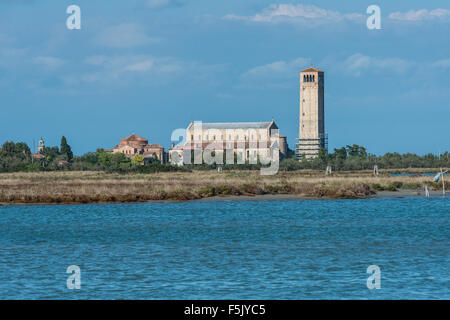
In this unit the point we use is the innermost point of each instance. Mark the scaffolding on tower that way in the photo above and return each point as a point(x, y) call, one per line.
point(310, 147)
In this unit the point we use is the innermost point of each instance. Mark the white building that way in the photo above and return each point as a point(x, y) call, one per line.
point(247, 140)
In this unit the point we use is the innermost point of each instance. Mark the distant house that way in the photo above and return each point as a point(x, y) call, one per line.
point(63, 163)
point(37, 156)
point(136, 145)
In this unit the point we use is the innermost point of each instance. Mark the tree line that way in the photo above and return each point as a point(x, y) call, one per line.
point(15, 157)
point(355, 157)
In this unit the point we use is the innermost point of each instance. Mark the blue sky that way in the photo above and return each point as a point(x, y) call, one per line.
point(151, 66)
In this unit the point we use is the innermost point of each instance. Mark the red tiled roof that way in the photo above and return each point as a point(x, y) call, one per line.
point(312, 70)
point(134, 138)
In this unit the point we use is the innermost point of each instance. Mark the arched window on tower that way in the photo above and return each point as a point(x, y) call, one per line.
point(314, 79)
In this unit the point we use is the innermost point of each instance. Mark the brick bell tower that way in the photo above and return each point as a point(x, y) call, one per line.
point(312, 135)
point(41, 145)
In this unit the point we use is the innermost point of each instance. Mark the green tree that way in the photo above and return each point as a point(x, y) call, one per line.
point(104, 158)
point(90, 158)
point(340, 153)
point(356, 151)
point(118, 158)
point(323, 156)
point(9, 147)
point(137, 160)
point(50, 153)
point(66, 149)
point(22, 147)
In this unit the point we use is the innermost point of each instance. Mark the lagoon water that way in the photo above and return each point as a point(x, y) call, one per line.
point(311, 249)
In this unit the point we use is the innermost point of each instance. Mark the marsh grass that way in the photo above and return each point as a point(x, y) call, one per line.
point(93, 186)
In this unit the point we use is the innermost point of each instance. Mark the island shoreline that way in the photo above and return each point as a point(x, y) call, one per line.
point(400, 194)
point(204, 186)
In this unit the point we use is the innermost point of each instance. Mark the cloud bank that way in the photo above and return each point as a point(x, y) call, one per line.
point(359, 64)
point(275, 74)
point(307, 14)
point(282, 73)
point(125, 35)
point(159, 4)
point(422, 15)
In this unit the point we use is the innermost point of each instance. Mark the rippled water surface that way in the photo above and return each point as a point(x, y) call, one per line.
point(228, 250)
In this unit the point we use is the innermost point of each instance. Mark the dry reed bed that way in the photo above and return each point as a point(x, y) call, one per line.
point(86, 187)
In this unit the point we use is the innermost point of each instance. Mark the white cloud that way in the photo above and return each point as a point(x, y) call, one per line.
point(421, 15)
point(13, 57)
point(308, 14)
point(140, 69)
point(445, 63)
point(222, 95)
point(157, 4)
point(95, 60)
point(118, 65)
point(359, 64)
point(277, 67)
point(13, 52)
point(275, 74)
point(125, 35)
point(49, 62)
point(141, 66)
point(284, 73)
point(19, 2)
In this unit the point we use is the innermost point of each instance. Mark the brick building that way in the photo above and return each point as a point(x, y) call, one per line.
point(136, 145)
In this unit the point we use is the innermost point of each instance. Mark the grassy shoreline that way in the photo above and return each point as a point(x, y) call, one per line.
point(74, 187)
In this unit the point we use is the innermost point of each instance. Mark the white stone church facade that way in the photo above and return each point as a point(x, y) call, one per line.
point(246, 140)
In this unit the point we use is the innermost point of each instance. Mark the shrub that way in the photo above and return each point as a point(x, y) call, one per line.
point(206, 191)
point(413, 186)
point(377, 187)
point(397, 184)
point(390, 187)
point(224, 190)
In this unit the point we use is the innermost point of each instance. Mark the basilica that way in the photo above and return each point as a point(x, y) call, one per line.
point(136, 145)
point(247, 140)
